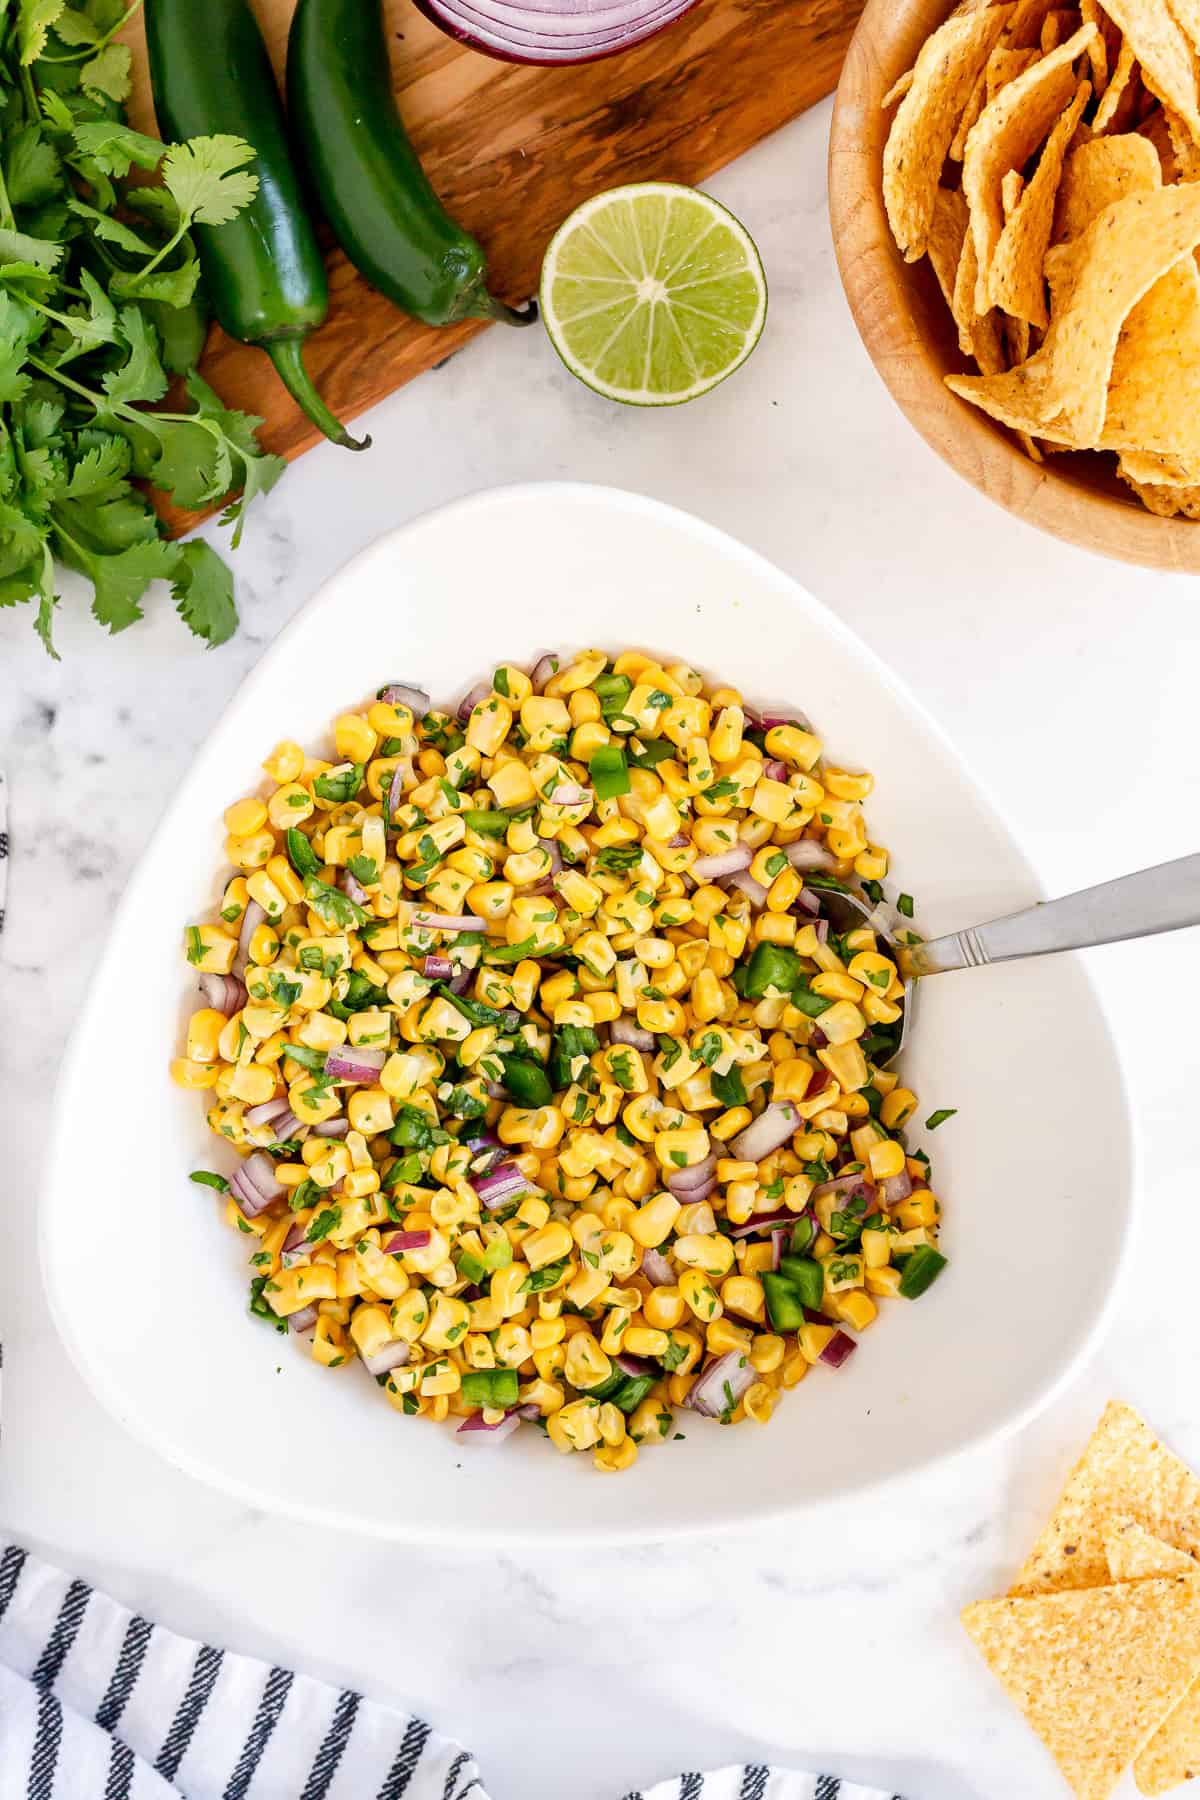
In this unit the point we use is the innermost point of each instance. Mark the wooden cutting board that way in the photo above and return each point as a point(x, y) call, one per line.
point(511, 150)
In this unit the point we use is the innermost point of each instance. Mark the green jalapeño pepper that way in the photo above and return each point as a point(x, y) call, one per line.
point(210, 73)
point(367, 176)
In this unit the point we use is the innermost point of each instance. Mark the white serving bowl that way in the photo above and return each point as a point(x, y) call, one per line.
point(148, 1286)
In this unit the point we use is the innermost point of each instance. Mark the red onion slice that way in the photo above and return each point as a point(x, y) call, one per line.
point(778, 1239)
point(807, 900)
point(894, 1188)
point(295, 1247)
point(729, 862)
point(400, 693)
point(304, 1320)
point(252, 918)
point(401, 778)
point(349, 1063)
point(683, 1181)
point(569, 793)
point(260, 1172)
point(771, 1129)
point(763, 1222)
point(331, 1128)
point(354, 889)
point(400, 1241)
point(469, 702)
point(722, 1384)
point(246, 1194)
point(270, 1109)
point(849, 1185)
point(774, 770)
point(547, 664)
point(224, 993)
point(806, 853)
point(392, 1356)
point(437, 968)
point(627, 1031)
point(657, 1269)
point(839, 1347)
point(500, 1186)
point(477, 1430)
point(550, 846)
point(745, 883)
point(431, 921)
point(521, 34)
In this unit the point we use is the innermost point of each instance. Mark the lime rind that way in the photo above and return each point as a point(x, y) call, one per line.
point(653, 293)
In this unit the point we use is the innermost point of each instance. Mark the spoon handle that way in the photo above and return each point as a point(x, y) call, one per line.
point(1166, 898)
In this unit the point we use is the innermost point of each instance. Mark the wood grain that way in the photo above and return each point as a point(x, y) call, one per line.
point(511, 150)
point(911, 340)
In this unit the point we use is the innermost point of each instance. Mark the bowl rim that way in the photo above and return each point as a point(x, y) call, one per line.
point(724, 1514)
point(980, 451)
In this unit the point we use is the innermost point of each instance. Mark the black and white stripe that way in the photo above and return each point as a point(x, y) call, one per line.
point(97, 1701)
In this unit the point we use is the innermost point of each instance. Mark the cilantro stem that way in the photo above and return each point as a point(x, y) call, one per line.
point(7, 216)
point(164, 250)
point(89, 394)
point(86, 51)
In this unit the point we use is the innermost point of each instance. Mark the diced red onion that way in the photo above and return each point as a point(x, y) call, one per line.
point(252, 918)
point(894, 1188)
point(682, 1181)
point(548, 664)
point(850, 1185)
point(437, 968)
point(353, 1063)
point(569, 793)
point(431, 921)
point(400, 1241)
point(469, 702)
point(287, 1126)
point(270, 1109)
point(304, 1320)
point(400, 693)
point(657, 1269)
point(839, 1347)
point(770, 720)
point(331, 1128)
point(807, 853)
point(711, 868)
point(459, 983)
point(246, 1194)
point(766, 1133)
point(745, 883)
point(392, 1356)
point(775, 770)
point(678, 841)
point(627, 1031)
point(734, 1372)
point(698, 1193)
point(550, 846)
point(808, 901)
point(260, 1172)
point(763, 1222)
point(477, 1430)
point(224, 993)
point(500, 1186)
point(480, 1140)
point(632, 1365)
point(354, 889)
point(530, 1410)
point(778, 1238)
point(295, 1247)
point(496, 1090)
point(821, 926)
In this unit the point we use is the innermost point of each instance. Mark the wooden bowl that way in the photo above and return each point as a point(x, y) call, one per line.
point(910, 337)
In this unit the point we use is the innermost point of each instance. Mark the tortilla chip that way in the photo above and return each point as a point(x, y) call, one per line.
point(1004, 66)
point(1024, 29)
point(1095, 1672)
point(978, 333)
point(1118, 95)
point(1173, 1753)
point(1123, 1474)
point(1168, 503)
point(1168, 64)
point(1154, 129)
point(1016, 281)
point(1056, 26)
point(1096, 281)
point(1185, 150)
point(1186, 14)
point(1154, 389)
point(943, 77)
point(1097, 174)
point(1135, 1554)
point(1091, 14)
point(1153, 468)
point(1010, 191)
point(898, 89)
point(946, 235)
point(1005, 136)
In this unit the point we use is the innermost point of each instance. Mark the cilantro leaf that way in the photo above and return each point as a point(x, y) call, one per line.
point(32, 170)
point(108, 73)
point(116, 147)
point(34, 20)
point(206, 178)
point(141, 376)
point(202, 588)
point(122, 577)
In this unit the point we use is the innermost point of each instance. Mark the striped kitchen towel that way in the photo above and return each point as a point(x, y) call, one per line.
point(98, 1703)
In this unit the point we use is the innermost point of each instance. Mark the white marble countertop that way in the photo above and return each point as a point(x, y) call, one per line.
point(1069, 685)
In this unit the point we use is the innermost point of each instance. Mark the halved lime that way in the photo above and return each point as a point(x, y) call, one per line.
point(653, 293)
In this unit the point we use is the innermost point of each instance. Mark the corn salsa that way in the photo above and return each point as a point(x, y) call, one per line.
point(557, 1099)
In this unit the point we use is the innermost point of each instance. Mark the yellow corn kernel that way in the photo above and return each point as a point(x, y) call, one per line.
point(812, 1339)
point(886, 1159)
point(897, 1106)
point(208, 950)
point(549, 1245)
point(758, 1402)
point(876, 1250)
point(652, 1224)
point(285, 761)
point(646, 1340)
point(708, 1251)
point(730, 1123)
point(291, 1290)
point(663, 1307)
point(354, 739)
point(244, 818)
point(725, 1334)
point(188, 1074)
point(883, 1283)
point(848, 1066)
point(370, 1110)
point(767, 1353)
point(250, 852)
point(586, 1365)
point(203, 1033)
point(855, 1309)
point(920, 1209)
point(743, 1294)
point(792, 745)
point(699, 1295)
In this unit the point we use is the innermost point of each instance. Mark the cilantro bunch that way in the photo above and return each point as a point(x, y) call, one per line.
point(100, 305)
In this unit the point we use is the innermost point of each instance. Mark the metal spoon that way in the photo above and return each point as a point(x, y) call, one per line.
point(1166, 898)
